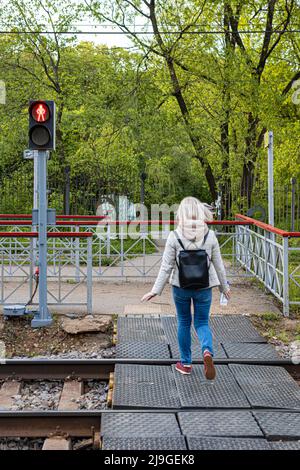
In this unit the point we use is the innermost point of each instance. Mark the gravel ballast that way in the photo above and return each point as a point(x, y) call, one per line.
point(38, 395)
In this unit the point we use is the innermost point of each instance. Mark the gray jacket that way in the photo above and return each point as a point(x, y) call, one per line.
point(169, 269)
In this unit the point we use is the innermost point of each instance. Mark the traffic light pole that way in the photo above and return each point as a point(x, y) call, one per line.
point(43, 316)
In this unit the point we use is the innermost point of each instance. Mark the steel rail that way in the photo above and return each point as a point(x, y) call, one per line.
point(83, 423)
point(101, 368)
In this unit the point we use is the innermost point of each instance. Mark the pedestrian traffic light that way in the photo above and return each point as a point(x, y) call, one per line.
point(41, 125)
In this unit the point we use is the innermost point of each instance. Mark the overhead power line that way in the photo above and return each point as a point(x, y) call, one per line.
point(185, 33)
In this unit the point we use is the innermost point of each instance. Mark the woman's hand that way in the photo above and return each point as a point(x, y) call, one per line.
point(227, 294)
point(147, 296)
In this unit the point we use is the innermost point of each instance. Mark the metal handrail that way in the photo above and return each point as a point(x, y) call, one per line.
point(269, 228)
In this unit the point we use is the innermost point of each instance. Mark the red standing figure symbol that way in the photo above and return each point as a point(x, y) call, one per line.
point(41, 113)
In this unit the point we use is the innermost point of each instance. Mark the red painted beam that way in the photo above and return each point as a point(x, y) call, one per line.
point(61, 223)
point(76, 217)
point(49, 234)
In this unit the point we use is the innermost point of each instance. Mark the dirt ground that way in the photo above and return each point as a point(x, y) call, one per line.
point(22, 340)
point(111, 297)
point(115, 298)
point(246, 299)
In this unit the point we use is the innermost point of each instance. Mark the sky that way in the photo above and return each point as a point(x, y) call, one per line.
point(111, 40)
point(89, 23)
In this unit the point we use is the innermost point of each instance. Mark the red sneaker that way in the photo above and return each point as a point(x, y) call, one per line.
point(209, 368)
point(183, 369)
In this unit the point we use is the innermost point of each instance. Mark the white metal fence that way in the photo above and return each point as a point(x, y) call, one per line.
point(122, 251)
point(273, 257)
point(69, 266)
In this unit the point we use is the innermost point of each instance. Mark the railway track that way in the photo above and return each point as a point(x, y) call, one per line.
point(58, 427)
point(253, 404)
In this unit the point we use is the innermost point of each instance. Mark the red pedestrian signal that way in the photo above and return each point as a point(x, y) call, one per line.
point(41, 125)
point(40, 112)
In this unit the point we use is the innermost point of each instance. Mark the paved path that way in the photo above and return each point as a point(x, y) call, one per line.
point(119, 295)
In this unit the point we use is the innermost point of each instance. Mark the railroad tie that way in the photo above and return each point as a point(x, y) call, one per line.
point(57, 443)
point(114, 338)
point(110, 390)
point(71, 392)
point(7, 391)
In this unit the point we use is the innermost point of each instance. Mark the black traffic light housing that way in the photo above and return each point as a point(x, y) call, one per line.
point(41, 125)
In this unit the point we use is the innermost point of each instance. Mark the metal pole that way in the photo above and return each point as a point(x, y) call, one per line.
point(89, 276)
point(35, 200)
point(143, 177)
point(271, 179)
point(286, 298)
point(43, 318)
point(35, 179)
point(77, 256)
point(293, 183)
point(271, 235)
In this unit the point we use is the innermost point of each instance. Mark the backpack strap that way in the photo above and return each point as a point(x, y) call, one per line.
point(180, 242)
point(205, 237)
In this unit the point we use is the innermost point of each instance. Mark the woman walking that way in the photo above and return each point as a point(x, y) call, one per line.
point(192, 233)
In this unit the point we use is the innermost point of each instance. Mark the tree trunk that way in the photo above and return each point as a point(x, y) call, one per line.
point(198, 147)
point(191, 131)
point(65, 168)
point(250, 157)
point(226, 181)
point(224, 128)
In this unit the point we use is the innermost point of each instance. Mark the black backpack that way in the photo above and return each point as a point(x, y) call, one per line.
point(193, 267)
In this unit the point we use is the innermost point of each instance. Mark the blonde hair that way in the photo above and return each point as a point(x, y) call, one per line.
point(191, 208)
point(192, 216)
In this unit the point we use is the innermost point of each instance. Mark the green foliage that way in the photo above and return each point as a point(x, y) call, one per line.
point(118, 112)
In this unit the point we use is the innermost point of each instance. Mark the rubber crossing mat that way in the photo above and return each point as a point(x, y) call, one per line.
point(267, 386)
point(250, 351)
point(288, 445)
point(278, 424)
point(169, 325)
point(139, 424)
point(138, 350)
point(219, 352)
point(195, 391)
point(235, 329)
point(143, 443)
point(233, 423)
point(144, 386)
point(140, 330)
point(225, 443)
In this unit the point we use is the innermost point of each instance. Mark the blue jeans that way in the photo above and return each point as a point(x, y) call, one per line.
point(202, 301)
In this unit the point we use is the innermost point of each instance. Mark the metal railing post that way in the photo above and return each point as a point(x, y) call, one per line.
point(286, 299)
point(235, 248)
point(108, 235)
point(247, 248)
point(144, 251)
point(31, 267)
point(77, 256)
point(2, 278)
point(266, 280)
point(89, 276)
point(121, 250)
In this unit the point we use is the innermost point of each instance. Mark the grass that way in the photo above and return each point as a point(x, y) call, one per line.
point(284, 337)
point(270, 316)
point(273, 326)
